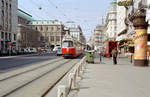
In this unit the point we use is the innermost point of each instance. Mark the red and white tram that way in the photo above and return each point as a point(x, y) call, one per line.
point(71, 48)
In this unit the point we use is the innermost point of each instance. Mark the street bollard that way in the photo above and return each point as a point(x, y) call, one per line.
point(72, 81)
point(78, 73)
point(62, 91)
point(81, 68)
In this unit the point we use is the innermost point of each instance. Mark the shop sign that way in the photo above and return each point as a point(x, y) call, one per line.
point(125, 3)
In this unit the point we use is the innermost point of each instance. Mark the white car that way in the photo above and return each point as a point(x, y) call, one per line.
point(56, 48)
point(33, 50)
point(59, 51)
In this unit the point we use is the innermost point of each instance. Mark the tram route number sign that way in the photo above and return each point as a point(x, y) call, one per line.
point(125, 3)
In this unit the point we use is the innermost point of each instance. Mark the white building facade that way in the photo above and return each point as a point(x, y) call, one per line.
point(98, 36)
point(121, 26)
point(51, 31)
point(8, 26)
point(76, 32)
point(111, 21)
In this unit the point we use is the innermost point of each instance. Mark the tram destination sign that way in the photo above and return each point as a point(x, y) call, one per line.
point(125, 3)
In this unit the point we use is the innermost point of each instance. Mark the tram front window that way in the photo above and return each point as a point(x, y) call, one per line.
point(67, 44)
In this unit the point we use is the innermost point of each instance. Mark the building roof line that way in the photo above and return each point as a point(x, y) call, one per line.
point(25, 12)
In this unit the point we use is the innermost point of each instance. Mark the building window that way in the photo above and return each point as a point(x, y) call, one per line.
point(58, 29)
point(52, 38)
point(9, 36)
point(15, 37)
point(2, 35)
point(2, 13)
point(41, 28)
point(6, 37)
point(2, 3)
point(115, 28)
point(52, 28)
point(57, 38)
point(46, 28)
point(10, 6)
point(6, 4)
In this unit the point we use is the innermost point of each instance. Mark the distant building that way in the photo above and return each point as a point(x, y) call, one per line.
point(98, 36)
point(8, 26)
point(76, 32)
point(28, 37)
point(111, 21)
point(51, 32)
point(90, 42)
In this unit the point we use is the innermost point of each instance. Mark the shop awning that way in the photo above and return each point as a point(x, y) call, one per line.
point(126, 42)
point(123, 32)
point(131, 45)
point(126, 39)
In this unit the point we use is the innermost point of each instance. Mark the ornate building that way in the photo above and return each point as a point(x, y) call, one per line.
point(8, 26)
point(98, 36)
point(76, 32)
point(111, 21)
point(51, 32)
point(121, 21)
point(28, 37)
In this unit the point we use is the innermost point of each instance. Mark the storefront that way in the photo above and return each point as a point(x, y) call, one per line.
point(126, 45)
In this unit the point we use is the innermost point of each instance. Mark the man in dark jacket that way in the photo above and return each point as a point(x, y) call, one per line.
point(114, 55)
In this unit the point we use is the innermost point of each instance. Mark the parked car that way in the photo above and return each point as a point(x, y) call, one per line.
point(27, 51)
point(56, 48)
point(33, 50)
point(21, 51)
point(59, 51)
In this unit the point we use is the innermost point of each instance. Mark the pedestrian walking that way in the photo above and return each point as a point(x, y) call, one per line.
point(100, 54)
point(114, 55)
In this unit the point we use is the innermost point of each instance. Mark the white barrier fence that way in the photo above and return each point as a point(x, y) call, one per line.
point(63, 90)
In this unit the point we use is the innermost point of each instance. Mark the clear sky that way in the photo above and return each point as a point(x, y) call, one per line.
point(86, 13)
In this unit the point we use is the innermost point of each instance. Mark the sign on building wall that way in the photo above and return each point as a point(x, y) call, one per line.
point(125, 3)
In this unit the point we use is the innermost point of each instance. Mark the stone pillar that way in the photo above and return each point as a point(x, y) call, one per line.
point(140, 54)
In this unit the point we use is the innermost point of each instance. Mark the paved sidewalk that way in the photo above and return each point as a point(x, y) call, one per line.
point(107, 80)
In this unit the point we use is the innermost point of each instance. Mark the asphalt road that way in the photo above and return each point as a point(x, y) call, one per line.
point(32, 76)
point(10, 63)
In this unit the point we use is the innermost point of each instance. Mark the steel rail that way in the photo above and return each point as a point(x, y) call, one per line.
point(29, 70)
point(25, 84)
point(13, 67)
point(51, 87)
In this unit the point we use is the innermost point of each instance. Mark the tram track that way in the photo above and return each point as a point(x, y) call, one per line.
point(21, 65)
point(2, 94)
point(20, 73)
point(36, 78)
